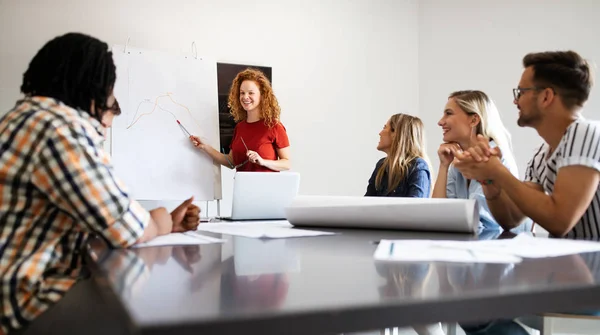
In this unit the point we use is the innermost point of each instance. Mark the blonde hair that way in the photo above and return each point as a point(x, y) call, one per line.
point(490, 124)
point(408, 144)
point(269, 107)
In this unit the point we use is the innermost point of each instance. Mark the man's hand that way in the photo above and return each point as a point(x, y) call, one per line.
point(186, 216)
point(186, 255)
point(481, 151)
point(471, 168)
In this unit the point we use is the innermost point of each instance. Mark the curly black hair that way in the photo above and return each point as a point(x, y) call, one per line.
point(74, 68)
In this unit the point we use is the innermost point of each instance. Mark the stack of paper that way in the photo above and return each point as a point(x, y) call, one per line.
point(187, 238)
point(488, 251)
point(453, 215)
point(433, 251)
point(258, 229)
point(527, 246)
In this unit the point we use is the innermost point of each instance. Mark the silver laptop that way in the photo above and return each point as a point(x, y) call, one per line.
point(263, 195)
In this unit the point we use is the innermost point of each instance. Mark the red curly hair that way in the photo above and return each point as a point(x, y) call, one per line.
point(269, 107)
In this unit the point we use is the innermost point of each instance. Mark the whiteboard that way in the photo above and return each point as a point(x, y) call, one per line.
point(151, 153)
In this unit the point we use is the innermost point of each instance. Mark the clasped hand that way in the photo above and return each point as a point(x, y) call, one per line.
point(478, 162)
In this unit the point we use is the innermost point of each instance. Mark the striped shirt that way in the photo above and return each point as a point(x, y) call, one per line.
point(57, 186)
point(579, 146)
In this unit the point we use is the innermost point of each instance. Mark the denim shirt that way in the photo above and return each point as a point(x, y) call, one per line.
point(456, 188)
point(416, 184)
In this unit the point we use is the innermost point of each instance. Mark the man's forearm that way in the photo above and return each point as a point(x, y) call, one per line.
point(160, 224)
point(533, 203)
point(505, 212)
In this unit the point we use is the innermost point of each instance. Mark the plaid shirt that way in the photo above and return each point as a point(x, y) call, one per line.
point(57, 186)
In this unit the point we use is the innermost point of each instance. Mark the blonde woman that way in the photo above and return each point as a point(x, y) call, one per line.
point(404, 172)
point(466, 115)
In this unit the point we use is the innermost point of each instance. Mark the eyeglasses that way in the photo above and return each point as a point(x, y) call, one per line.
point(518, 92)
point(115, 108)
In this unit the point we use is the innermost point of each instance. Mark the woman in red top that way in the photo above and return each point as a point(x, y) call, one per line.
point(260, 142)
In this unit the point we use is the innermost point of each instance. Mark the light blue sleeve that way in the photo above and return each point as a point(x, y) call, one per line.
point(508, 160)
point(486, 218)
point(511, 165)
point(451, 191)
point(457, 188)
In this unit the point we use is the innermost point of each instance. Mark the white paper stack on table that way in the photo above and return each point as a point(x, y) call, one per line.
point(444, 215)
point(487, 251)
point(187, 238)
point(258, 229)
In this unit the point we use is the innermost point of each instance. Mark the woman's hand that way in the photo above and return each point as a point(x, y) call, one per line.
point(445, 153)
point(197, 142)
point(255, 158)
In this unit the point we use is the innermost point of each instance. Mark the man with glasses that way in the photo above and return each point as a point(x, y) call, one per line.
point(561, 189)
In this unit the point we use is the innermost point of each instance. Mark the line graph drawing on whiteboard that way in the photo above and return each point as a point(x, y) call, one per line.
point(165, 110)
point(155, 104)
point(149, 148)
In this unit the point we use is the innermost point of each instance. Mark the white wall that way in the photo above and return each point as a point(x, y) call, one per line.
point(475, 44)
point(340, 68)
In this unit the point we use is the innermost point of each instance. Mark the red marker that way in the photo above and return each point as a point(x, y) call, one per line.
point(182, 127)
